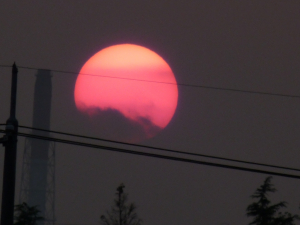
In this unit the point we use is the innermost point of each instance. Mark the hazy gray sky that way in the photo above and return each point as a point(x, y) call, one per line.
point(251, 45)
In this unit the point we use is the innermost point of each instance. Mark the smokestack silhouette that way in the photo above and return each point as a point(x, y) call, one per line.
point(37, 184)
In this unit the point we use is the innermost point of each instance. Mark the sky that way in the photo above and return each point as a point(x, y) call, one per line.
point(247, 45)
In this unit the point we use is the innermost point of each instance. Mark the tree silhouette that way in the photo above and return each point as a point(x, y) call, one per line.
point(121, 213)
point(26, 215)
point(264, 212)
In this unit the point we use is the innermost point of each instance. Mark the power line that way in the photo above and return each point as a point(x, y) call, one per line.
point(75, 224)
point(179, 84)
point(5, 66)
point(172, 158)
point(163, 149)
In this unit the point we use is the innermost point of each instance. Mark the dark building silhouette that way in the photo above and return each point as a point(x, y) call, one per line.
point(38, 172)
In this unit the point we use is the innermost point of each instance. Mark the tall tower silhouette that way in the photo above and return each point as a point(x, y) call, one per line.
point(38, 169)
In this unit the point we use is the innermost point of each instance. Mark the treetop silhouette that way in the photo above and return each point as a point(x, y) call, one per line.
point(121, 212)
point(264, 212)
point(27, 215)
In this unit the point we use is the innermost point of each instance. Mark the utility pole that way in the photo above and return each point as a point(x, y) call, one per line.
point(10, 142)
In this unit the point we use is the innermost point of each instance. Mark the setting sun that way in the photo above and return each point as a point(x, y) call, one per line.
point(131, 79)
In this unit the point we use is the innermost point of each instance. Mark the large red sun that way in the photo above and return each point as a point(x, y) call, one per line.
point(132, 81)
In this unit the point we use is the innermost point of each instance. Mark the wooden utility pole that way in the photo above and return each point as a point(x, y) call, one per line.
point(10, 142)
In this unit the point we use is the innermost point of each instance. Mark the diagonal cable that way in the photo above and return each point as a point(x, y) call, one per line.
point(165, 149)
point(172, 158)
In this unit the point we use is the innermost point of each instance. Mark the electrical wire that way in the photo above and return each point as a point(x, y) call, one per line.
point(163, 149)
point(168, 150)
point(172, 158)
point(75, 224)
point(5, 66)
point(179, 84)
